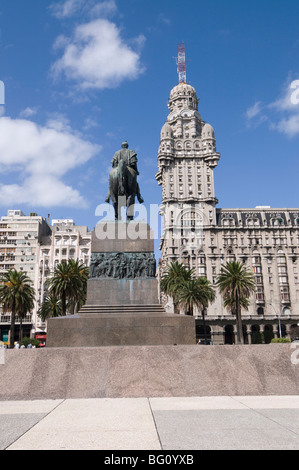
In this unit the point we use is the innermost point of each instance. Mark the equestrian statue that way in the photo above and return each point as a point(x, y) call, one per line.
point(123, 185)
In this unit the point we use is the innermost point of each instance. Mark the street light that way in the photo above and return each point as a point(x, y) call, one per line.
point(279, 319)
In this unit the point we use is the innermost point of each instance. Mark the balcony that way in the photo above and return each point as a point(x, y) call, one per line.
point(6, 319)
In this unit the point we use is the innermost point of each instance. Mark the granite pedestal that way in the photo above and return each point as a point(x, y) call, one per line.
point(122, 306)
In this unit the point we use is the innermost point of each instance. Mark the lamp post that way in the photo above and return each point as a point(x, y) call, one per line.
point(279, 318)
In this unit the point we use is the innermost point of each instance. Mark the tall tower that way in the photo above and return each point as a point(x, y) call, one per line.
point(186, 159)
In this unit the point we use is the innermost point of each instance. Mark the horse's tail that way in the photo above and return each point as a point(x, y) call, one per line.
point(122, 177)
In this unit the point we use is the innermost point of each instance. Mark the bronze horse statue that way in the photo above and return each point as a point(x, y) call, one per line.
point(123, 185)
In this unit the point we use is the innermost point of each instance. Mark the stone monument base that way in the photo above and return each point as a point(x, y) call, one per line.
point(122, 303)
point(120, 327)
point(122, 291)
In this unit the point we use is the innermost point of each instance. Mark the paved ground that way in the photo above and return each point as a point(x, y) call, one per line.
point(151, 424)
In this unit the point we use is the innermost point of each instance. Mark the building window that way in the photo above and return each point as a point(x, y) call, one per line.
point(278, 221)
point(284, 294)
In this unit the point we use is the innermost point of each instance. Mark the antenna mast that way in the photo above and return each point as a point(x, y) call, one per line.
point(181, 62)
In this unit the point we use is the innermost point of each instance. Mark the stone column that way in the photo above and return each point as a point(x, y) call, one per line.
point(248, 329)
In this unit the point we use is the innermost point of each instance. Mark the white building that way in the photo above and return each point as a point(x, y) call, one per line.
point(20, 238)
point(204, 237)
point(31, 245)
point(66, 241)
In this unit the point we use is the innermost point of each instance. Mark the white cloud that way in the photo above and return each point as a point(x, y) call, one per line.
point(105, 8)
point(97, 57)
point(93, 8)
point(289, 126)
point(282, 114)
point(254, 110)
point(288, 104)
point(288, 100)
point(66, 9)
point(44, 192)
point(42, 156)
point(28, 112)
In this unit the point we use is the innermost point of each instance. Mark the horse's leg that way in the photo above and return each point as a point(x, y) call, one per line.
point(108, 197)
point(130, 207)
point(139, 197)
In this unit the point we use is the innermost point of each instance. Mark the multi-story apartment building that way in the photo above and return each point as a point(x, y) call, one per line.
point(204, 237)
point(31, 245)
point(20, 238)
point(66, 241)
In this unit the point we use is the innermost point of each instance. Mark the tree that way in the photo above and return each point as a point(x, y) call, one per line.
point(26, 305)
point(68, 283)
point(51, 307)
point(17, 296)
point(236, 284)
point(175, 274)
point(197, 292)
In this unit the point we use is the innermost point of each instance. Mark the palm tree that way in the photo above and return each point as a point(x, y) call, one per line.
point(79, 297)
point(197, 292)
point(236, 284)
point(175, 274)
point(68, 282)
point(51, 307)
point(26, 305)
point(208, 296)
point(16, 296)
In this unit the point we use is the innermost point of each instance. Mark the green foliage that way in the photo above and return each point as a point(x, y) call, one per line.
point(68, 283)
point(25, 341)
point(236, 284)
point(17, 296)
point(185, 288)
point(173, 277)
point(195, 292)
point(281, 340)
point(51, 307)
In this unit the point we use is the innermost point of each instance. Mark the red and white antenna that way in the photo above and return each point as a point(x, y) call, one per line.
point(181, 62)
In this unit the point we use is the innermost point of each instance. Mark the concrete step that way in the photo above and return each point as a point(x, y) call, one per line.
point(122, 309)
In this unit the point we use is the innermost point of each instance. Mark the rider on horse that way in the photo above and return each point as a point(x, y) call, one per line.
point(123, 159)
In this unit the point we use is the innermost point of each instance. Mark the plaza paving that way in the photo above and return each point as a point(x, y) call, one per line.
point(152, 424)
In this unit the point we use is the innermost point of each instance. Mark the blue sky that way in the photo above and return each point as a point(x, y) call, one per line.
point(81, 76)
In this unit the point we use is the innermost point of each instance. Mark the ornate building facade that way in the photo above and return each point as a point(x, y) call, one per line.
point(30, 245)
point(204, 237)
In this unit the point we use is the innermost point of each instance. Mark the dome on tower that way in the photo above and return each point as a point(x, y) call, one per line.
point(207, 132)
point(166, 132)
point(182, 89)
point(183, 96)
